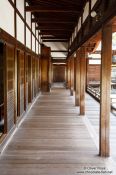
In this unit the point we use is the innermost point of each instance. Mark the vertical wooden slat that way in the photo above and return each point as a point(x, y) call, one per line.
point(18, 83)
point(21, 82)
point(29, 79)
point(105, 90)
point(82, 80)
point(77, 91)
point(9, 87)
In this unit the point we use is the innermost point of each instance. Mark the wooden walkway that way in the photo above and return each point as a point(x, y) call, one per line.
point(92, 113)
point(53, 140)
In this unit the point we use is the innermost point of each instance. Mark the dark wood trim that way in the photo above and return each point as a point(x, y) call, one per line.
point(58, 61)
point(5, 91)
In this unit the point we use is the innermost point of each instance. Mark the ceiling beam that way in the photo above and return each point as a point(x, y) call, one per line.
point(54, 28)
point(41, 25)
point(56, 40)
point(55, 37)
point(59, 60)
point(51, 21)
point(59, 51)
point(51, 9)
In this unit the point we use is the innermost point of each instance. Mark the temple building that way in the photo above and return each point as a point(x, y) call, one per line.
point(57, 87)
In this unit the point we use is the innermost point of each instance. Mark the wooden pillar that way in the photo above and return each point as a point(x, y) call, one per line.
point(66, 75)
point(82, 80)
point(77, 91)
point(45, 68)
point(68, 64)
point(87, 65)
point(105, 90)
point(72, 76)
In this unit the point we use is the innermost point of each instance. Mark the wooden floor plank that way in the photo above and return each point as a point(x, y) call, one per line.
point(53, 140)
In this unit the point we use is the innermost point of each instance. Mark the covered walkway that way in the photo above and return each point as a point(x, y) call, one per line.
point(92, 114)
point(53, 140)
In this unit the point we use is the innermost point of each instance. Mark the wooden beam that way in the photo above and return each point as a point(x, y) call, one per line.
point(55, 40)
point(51, 21)
point(51, 9)
point(55, 33)
point(77, 91)
point(82, 80)
point(53, 37)
point(106, 61)
point(63, 58)
point(59, 51)
point(58, 60)
point(54, 28)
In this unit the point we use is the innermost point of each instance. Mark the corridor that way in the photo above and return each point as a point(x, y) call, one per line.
point(53, 140)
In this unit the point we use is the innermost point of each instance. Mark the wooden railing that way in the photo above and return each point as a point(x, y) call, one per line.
point(95, 93)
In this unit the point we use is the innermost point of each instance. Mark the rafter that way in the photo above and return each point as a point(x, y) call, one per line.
point(51, 9)
point(56, 40)
point(54, 37)
point(49, 21)
point(53, 29)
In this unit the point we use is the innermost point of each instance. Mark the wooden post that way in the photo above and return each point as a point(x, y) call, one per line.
point(77, 91)
point(87, 65)
point(45, 68)
point(68, 64)
point(82, 80)
point(72, 76)
point(66, 75)
point(105, 90)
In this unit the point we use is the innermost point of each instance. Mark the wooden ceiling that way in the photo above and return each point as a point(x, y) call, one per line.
point(56, 19)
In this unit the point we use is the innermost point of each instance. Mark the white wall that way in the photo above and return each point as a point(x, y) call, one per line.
point(79, 23)
point(20, 6)
point(28, 38)
point(20, 30)
point(33, 27)
point(86, 11)
point(28, 33)
point(37, 47)
point(94, 61)
point(33, 43)
point(57, 46)
point(7, 22)
point(28, 18)
point(93, 3)
point(6, 17)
